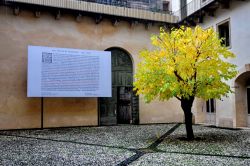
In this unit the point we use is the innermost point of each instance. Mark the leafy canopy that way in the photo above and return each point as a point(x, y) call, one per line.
point(185, 62)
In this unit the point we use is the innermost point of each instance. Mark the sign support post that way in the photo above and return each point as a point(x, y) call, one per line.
point(41, 112)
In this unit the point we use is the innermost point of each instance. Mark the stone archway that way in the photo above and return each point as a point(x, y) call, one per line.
point(123, 106)
point(242, 97)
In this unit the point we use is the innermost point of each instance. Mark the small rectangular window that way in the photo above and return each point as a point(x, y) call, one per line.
point(210, 105)
point(207, 105)
point(224, 32)
point(165, 6)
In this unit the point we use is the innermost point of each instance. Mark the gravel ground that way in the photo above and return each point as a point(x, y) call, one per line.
point(162, 159)
point(23, 151)
point(112, 145)
point(129, 136)
point(212, 141)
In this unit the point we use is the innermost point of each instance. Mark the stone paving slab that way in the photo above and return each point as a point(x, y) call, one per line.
point(212, 141)
point(129, 136)
point(164, 159)
point(25, 151)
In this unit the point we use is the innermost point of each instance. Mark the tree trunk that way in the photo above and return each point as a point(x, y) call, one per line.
point(186, 105)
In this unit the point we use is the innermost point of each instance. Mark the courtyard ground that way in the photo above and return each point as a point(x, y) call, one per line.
point(125, 145)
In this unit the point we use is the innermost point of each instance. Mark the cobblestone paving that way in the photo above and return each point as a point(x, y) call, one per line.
point(125, 145)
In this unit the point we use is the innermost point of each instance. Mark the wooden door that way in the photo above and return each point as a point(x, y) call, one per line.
point(124, 114)
point(119, 108)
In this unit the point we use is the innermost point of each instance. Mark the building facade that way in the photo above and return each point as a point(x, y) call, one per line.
point(124, 28)
point(231, 21)
point(84, 25)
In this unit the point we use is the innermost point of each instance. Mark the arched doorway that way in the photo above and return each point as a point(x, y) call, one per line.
point(242, 98)
point(123, 106)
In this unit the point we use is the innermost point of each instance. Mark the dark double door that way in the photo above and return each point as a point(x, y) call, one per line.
point(122, 107)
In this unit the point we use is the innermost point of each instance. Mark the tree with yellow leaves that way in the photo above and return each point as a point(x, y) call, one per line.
point(185, 63)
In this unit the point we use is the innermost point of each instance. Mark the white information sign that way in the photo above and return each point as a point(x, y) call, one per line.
point(64, 72)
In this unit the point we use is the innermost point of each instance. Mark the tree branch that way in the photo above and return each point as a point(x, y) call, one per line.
point(177, 75)
point(178, 98)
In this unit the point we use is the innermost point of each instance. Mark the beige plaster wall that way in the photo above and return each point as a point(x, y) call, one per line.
point(60, 112)
point(16, 110)
point(161, 112)
point(199, 110)
point(17, 32)
point(241, 105)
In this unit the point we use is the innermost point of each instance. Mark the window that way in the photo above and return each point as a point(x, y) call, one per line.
point(224, 32)
point(210, 104)
point(165, 6)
